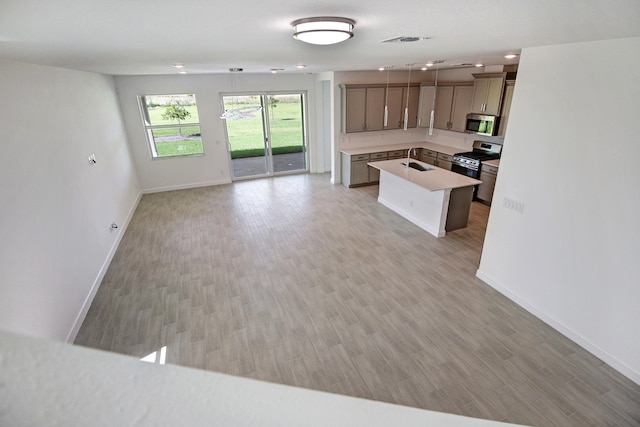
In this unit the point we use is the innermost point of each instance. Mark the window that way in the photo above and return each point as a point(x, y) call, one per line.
point(172, 125)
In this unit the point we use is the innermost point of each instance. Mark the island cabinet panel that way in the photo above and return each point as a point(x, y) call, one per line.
point(487, 93)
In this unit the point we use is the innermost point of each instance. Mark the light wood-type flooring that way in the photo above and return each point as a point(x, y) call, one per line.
point(297, 281)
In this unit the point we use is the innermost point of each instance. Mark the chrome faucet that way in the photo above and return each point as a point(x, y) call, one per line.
point(409, 155)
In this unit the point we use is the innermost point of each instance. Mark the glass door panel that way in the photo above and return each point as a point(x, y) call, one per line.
point(286, 131)
point(246, 132)
point(266, 133)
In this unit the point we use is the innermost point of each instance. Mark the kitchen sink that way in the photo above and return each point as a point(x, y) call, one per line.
point(417, 166)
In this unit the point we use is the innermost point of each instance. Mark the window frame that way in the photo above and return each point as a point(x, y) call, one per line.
point(149, 127)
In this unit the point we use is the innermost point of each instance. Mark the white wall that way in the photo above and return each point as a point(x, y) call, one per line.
point(57, 210)
point(571, 156)
point(214, 167)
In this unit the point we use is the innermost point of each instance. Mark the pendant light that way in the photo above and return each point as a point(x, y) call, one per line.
point(386, 97)
point(433, 106)
point(406, 107)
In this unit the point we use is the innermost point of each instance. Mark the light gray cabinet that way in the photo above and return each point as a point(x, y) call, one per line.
point(487, 93)
point(488, 175)
point(444, 161)
point(362, 108)
point(429, 156)
point(453, 103)
point(506, 107)
point(356, 171)
point(426, 104)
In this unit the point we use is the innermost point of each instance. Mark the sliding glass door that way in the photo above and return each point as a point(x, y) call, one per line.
point(266, 133)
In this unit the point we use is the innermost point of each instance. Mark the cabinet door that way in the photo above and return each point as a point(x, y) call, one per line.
point(375, 108)
point(506, 108)
point(444, 102)
point(495, 87)
point(356, 106)
point(395, 107)
point(485, 190)
point(480, 87)
point(461, 105)
point(427, 100)
point(359, 173)
point(413, 94)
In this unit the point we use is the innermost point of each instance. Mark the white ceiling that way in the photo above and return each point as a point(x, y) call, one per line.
point(148, 36)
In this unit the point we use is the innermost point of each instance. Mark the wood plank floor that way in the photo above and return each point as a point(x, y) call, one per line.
point(297, 281)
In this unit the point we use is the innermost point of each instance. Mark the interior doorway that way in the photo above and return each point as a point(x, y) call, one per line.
point(266, 133)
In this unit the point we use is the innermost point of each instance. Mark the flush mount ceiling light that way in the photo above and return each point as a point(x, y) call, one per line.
point(323, 30)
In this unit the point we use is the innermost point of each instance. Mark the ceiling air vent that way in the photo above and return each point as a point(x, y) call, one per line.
point(404, 39)
point(235, 70)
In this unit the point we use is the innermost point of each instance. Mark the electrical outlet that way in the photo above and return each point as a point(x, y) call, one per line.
point(513, 205)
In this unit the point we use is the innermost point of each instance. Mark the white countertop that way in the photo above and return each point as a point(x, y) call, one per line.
point(433, 180)
point(495, 163)
point(391, 147)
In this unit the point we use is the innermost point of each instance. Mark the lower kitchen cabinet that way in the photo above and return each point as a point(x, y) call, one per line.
point(488, 176)
point(429, 156)
point(356, 171)
point(444, 161)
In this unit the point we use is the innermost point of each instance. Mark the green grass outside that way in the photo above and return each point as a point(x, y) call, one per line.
point(245, 134)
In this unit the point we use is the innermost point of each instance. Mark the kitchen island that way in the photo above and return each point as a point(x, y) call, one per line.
point(435, 199)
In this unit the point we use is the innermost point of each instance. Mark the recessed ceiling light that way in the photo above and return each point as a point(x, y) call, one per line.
point(510, 56)
point(275, 70)
point(429, 64)
point(182, 72)
point(178, 65)
point(424, 68)
point(300, 66)
point(381, 69)
point(479, 65)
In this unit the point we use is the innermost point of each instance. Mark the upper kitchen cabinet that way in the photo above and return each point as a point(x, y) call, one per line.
point(411, 101)
point(426, 105)
point(487, 93)
point(362, 108)
point(395, 108)
point(397, 102)
point(453, 103)
point(506, 107)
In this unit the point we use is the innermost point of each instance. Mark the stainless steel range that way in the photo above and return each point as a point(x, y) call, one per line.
point(469, 163)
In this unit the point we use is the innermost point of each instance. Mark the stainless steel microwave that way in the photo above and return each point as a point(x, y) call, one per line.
point(481, 124)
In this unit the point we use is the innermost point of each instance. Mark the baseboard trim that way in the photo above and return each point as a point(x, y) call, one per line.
point(592, 348)
point(71, 337)
point(185, 186)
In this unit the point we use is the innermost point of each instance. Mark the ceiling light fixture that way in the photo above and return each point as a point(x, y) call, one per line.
point(479, 65)
point(178, 65)
point(510, 56)
point(300, 66)
point(323, 30)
